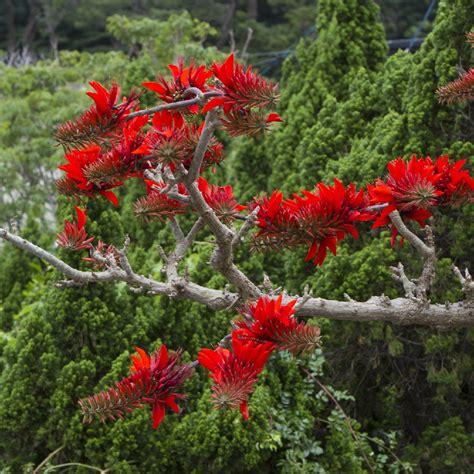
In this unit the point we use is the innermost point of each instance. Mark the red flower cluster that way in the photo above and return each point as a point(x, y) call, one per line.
point(221, 200)
point(242, 93)
point(270, 321)
point(74, 236)
point(319, 219)
point(235, 373)
point(158, 206)
point(266, 325)
point(415, 186)
point(100, 121)
point(90, 172)
point(238, 91)
point(183, 78)
point(106, 145)
point(153, 380)
point(171, 141)
point(242, 89)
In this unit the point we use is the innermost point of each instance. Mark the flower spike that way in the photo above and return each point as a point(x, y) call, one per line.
point(269, 320)
point(153, 380)
point(235, 373)
point(74, 236)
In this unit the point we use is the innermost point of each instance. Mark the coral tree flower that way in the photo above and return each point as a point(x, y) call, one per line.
point(91, 159)
point(157, 205)
point(100, 121)
point(459, 91)
point(74, 236)
point(171, 141)
point(153, 380)
point(241, 89)
point(319, 219)
point(220, 199)
point(235, 373)
point(410, 185)
point(182, 79)
point(414, 187)
point(455, 183)
point(271, 321)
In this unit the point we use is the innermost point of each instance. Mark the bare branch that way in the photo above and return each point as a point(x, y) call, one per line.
point(466, 283)
point(214, 299)
point(400, 275)
point(428, 253)
point(409, 235)
point(403, 311)
point(243, 54)
point(210, 125)
point(246, 226)
point(176, 230)
point(199, 99)
point(429, 267)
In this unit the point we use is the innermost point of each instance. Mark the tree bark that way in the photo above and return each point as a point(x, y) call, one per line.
point(252, 9)
point(227, 25)
point(31, 25)
point(11, 29)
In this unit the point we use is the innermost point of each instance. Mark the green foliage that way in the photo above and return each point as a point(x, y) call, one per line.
point(165, 41)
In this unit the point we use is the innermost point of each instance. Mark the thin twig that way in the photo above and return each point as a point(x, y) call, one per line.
point(346, 418)
point(198, 100)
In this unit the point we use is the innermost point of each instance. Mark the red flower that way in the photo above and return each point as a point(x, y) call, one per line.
point(158, 206)
point(248, 122)
point(171, 141)
point(235, 373)
point(164, 143)
point(74, 236)
point(270, 321)
point(100, 121)
point(456, 185)
point(183, 79)
point(220, 199)
point(318, 219)
point(241, 89)
point(89, 172)
point(131, 138)
point(459, 91)
point(414, 187)
point(153, 380)
point(409, 185)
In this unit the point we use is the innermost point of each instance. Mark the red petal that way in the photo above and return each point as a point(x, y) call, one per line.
point(244, 409)
point(312, 251)
point(155, 87)
point(110, 196)
point(171, 403)
point(81, 217)
point(273, 117)
point(157, 413)
point(213, 103)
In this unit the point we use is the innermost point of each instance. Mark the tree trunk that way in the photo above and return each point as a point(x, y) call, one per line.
point(31, 26)
point(252, 9)
point(227, 25)
point(11, 30)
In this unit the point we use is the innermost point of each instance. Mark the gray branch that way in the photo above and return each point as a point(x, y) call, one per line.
point(210, 124)
point(422, 248)
point(427, 250)
point(199, 99)
point(401, 311)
